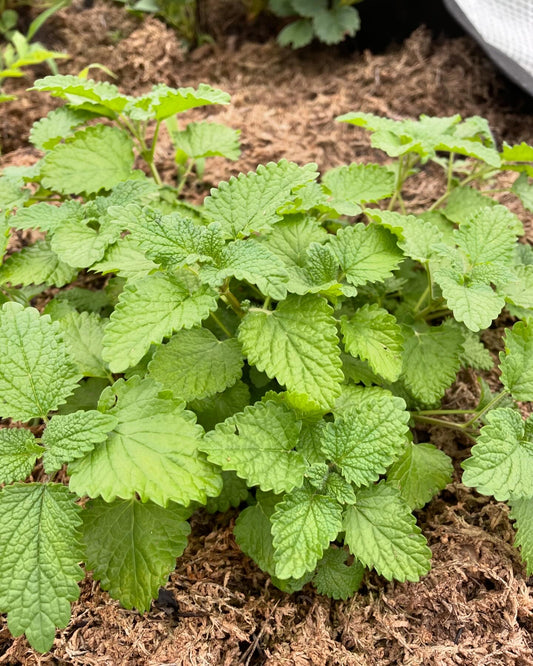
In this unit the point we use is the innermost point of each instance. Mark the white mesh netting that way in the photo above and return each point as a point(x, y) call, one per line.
point(506, 25)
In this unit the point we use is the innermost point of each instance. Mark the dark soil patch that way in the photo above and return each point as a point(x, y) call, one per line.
point(475, 608)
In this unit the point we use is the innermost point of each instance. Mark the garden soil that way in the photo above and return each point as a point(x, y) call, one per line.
point(475, 607)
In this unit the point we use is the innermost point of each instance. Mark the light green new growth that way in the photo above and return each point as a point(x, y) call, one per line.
point(303, 525)
point(258, 444)
point(297, 343)
point(18, 453)
point(132, 547)
point(195, 364)
point(517, 361)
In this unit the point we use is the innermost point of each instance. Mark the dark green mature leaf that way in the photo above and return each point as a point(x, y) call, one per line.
point(132, 547)
point(39, 554)
point(522, 514)
point(334, 577)
point(253, 531)
point(36, 264)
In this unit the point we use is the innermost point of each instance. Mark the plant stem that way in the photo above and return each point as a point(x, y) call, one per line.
point(183, 178)
point(461, 427)
point(232, 301)
point(219, 323)
point(488, 407)
point(429, 412)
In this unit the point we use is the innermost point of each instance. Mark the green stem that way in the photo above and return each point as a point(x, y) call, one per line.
point(441, 423)
point(220, 324)
point(267, 302)
point(444, 412)
point(473, 176)
point(488, 407)
point(183, 178)
point(449, 173)
point(232, 301)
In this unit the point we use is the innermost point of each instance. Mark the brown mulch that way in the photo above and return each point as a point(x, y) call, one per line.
point(476, 606)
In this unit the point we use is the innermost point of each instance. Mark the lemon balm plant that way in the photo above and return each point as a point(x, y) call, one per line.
point(274, 348)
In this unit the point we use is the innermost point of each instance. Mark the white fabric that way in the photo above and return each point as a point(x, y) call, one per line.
point(507, 25)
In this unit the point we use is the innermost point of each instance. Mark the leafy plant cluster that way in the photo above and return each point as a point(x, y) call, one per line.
point(21, 51)
point(275, 348)
point(328, 21)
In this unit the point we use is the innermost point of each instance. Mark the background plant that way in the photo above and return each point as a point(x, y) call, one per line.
point(274, 347)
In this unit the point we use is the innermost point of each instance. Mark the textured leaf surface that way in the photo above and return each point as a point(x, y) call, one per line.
point(365, 440)
point(249, 203)
point(416, 237)
point(489, 235)
point(258, 444)
point(219, 407)
point(153, 451)
point(83, 333)
point(77, 244)
point(106, 155)
point(517, 362)
point(297, 343)
point(303, 525)
point(297, 34)
point(149, 309)
point(132, 547)
point(358, 183)
point(463, 202)
point(199, 140)
point(373, 335)
point(366, 253)
point(335, 578)
point(382, 533)
point(431, 361)
point(39, 555)
point(70, 436)
point(333, 25)
point(502, 460)
point(522, 514)
point(18, 453)
point(99, 95)
point(420, 472)
point(36, 264)
point(58, 124)
point(36, 372)
point(195, 364)
point(234, 492)
point(47, 217)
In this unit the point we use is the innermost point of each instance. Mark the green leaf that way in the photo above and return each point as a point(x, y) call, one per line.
point(58, 124)
point(366, 253)
point(171, 240)
point(517, 362)
point(125, 259)
point(297, 34)
point(357, 184)
point(85, 396)
point(519, 290)
point(36, 372)
point(249, 203)
point(431, 361)
point(524, 190)
point(421, 472)
point(366, 439)
point(150, 309)
point(132, 547)
point(200, 140)
point(46, 217)
point(474, 354)
point(474, 302)
point(463, 202)
point(518, 157)
point(83, 333)
point(335, 578)
point(308, 8)
point(522, 514)
point(195, 364)
point(303, 524)
point(70, 436)
point(39, 555)
point(163, 102)
point(234, 492)
point(98, 96)
point(333, 25)
point(153, 451)
point(258, 444)
point(253, 531)
point(78, 244)
point(36, 264)
point(18, 453)
point(374, 335)
point(502, 460)
point(382, 533)
point(105, 152)
point(489, 235)
point(416, 237)
point(297, 344)
point(11, 195)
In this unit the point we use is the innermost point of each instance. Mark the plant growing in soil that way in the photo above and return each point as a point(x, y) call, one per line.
point(275, 347)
